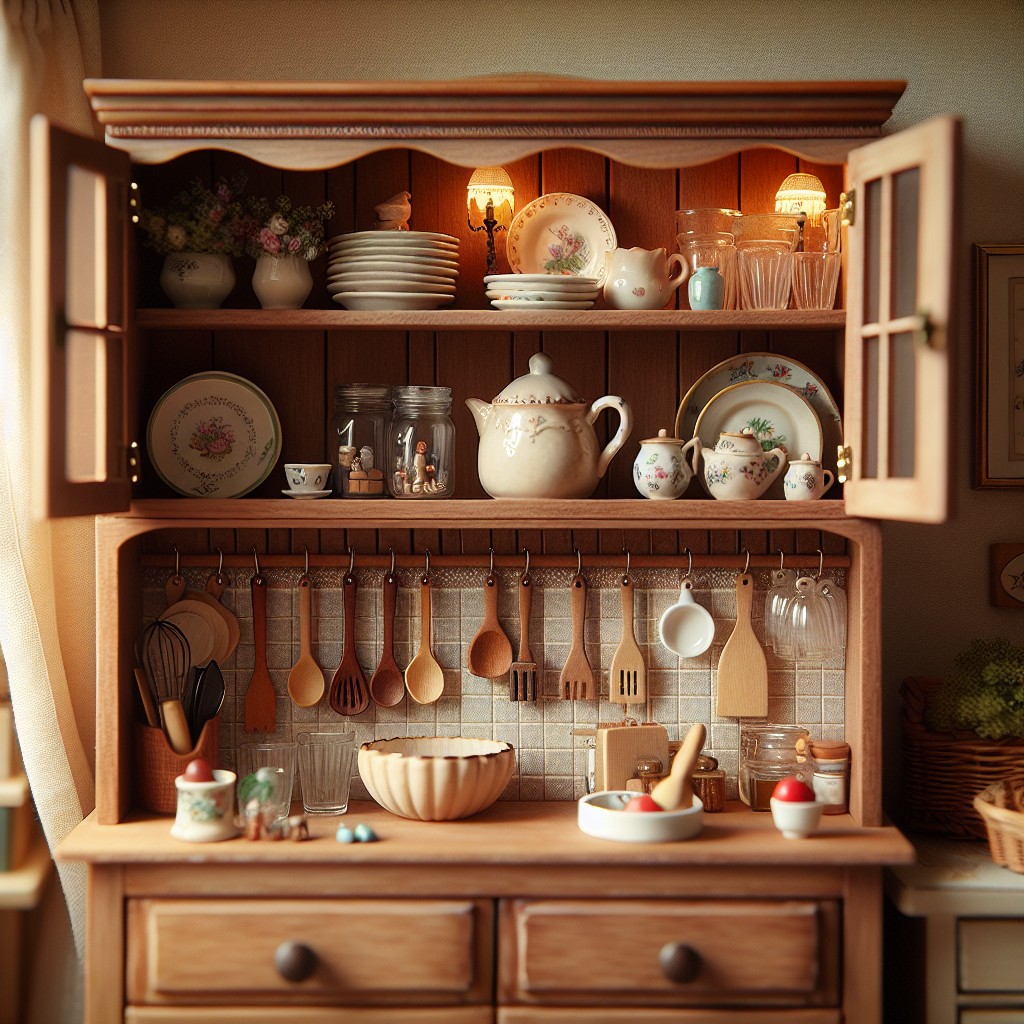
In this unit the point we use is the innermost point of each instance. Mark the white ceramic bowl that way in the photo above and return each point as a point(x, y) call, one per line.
point(796, 819)
point(601, 815)
point(436, 778)
point(308, 476)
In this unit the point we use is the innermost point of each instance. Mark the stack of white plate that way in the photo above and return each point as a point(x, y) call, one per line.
point(541, 291)
point(392, 269)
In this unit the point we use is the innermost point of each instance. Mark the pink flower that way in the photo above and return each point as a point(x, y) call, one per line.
point(224, 192)
point(294, 244)
point(270, 241)
point(217, 446)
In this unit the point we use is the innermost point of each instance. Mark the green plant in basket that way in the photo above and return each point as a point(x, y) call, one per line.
point(199, 219)
point(280, 229)
point(984, 693)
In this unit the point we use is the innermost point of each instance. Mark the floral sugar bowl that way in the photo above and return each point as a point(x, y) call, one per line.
point(739, 468)
point(806, 480)
point(661, 469)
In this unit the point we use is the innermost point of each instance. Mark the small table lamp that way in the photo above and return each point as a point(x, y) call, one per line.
point(802, 193)
point(490, 199)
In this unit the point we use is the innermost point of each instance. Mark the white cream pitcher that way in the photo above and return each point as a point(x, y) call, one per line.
point(639, 278)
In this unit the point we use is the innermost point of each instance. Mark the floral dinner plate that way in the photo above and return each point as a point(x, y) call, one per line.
point(214, 435)
point(778, 416)
point(560, 233)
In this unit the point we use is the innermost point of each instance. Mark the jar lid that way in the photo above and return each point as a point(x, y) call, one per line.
point(538, 387)
point(706, 763)
point(662, 438)
point(830, 748)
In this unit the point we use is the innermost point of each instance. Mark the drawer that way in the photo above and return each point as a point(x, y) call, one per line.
point(670, 952)
point(991, 954)
point(355, 952)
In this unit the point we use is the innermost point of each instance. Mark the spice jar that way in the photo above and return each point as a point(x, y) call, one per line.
point(422, 443)
point(831, 779)
point(358, 435)
point(709, 783)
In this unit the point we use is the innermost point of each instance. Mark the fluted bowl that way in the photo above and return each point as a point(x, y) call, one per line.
point(435, 778)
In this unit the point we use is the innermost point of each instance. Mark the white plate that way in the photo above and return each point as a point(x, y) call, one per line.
point(391, 237)
point(306, 494)
point(213, 435)
point(765, 366)
point(536, 296)
point(448, 247)
point(388, 275)
point(390, 300)
point(560, 233)
point(391, 253)
point(779, 417)
point(377, 284)
point(540, 306)
point(542, 281)
point(410, 264)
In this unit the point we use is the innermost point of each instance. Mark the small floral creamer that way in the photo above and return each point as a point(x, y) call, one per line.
point(660, 470)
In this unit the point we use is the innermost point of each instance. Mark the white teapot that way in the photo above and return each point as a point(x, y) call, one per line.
point(739, 468)
point(660, 470)
point(537, 437)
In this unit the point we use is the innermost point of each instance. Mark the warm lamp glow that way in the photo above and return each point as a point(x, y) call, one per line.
point(801, 193)
point(490, 199)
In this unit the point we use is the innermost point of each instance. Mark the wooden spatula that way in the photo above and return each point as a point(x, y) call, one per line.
point(577, 679)
point(742, 669)
point(260, 699)
point(627, 680)
point(349, 694)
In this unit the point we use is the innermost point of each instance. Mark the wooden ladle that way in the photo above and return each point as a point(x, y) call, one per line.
point(675, 791)
point(306, 679)
point(423, 678)
point(490, 653)
point(387, 684)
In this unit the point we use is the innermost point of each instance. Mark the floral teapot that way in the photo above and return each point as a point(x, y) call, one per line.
point(537, 437)
point(739, 468)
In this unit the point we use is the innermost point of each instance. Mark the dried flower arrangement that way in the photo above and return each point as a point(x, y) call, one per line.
point(279, 228)
point(199, 219)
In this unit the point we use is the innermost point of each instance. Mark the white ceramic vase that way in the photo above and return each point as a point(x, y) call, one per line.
point(197, 280)
point(282, 281)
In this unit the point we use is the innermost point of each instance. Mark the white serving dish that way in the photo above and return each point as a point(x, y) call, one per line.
point(600, 815)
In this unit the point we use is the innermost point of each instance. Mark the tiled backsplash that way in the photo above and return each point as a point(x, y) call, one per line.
point(551, 761)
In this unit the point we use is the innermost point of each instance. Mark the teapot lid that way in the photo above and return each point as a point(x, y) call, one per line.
point(662, 438)
point(538, 387)
point(738, 440)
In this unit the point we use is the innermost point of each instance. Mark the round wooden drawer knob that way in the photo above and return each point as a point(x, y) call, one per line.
point(295, 961)
point(679, 963)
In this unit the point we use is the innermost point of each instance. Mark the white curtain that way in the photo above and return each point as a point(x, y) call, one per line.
point(47, 571)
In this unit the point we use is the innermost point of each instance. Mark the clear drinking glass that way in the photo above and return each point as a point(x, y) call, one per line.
point(815, 276)
point(325, 770)
point(766, 275)
point(280, 758)
point(714, 250)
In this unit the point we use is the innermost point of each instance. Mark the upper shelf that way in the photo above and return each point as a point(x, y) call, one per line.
point(497, 119)
point(490, 319)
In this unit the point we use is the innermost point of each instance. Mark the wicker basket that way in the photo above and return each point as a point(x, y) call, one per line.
point(944, 771)
point(157, 766)
point(1000, 806)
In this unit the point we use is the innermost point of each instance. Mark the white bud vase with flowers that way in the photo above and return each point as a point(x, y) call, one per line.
point(198, 232)
point(285, 239)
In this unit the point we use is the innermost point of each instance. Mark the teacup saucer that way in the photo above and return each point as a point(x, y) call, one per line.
point(306, 494)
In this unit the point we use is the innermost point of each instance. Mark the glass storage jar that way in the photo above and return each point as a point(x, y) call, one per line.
point(421, 448)
point(358, 438)
point(771, 752)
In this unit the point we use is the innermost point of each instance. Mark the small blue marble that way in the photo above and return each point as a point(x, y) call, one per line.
point(365, 834)
point(345, 835)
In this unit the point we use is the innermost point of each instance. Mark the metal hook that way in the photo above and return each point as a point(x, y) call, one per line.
point(220, 564)
point(391, 571)
point(305, 572)
point(490, 569)
point(746, 564)
point(579, 562)
point(689, 562)
point(782, 560)
point(426, 571)
point(177, 561)
point(821, 563)
point(256, 559)
point(526, 571)
point(351, 560)
point(626, 577)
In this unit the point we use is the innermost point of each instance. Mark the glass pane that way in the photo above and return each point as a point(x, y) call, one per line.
point(906, 188)
point(869, 451)
point(86, 436)
point(872, 248)
point(86, 249)
point(903, 389)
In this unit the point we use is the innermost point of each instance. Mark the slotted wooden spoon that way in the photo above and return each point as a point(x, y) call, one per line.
point(490, 653)
point(306, 679)
point(577, 679)
point(423, 678)
point(349, 694)
point(742, 668)
point(387, 684)
point(627, 680)
point(260, 699)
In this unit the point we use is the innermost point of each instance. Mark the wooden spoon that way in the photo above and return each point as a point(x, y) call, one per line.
point(742, 668)
point(490, 653)
point(675, 791)
point(349, 694)
point(306, 679)
point(423, 678)
point(387, 684)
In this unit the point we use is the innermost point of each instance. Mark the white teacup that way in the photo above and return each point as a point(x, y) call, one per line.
point(308, 476)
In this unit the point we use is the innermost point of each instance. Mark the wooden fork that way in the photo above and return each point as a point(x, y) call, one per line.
point(349, 694)
point(577, 679)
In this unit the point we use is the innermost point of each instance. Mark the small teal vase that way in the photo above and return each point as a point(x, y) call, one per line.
point(706, 288)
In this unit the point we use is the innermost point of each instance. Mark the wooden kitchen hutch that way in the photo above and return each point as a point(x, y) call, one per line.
point(514, 916)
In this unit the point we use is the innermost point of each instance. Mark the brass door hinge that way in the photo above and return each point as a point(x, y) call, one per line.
point(844, 463)
point(848, 207)
point(134, 201)
point(134, 463)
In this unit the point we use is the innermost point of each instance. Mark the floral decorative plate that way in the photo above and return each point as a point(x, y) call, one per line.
point(214, 435)
point(766, 366)
point(779, 416)
point(560, 233)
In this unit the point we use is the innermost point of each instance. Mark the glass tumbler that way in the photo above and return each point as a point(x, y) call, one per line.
point(274, 790)
point(713, 250)
point(325, 770)
point(815, 276)
point(766, 276)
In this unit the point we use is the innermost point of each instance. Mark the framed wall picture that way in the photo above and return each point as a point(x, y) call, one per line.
point(1007, 575)
point(1000, 365)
